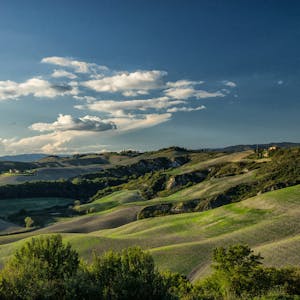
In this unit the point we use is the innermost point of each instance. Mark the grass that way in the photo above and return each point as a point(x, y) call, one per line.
point(199, 161)
point(8, 227)
point(88, 223)
point(269, 223)
point(111, 201)
point(206, 188)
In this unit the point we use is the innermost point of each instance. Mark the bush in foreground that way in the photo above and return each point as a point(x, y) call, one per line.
point(46, 268)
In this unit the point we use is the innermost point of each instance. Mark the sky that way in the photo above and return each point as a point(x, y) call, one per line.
point(92, 76)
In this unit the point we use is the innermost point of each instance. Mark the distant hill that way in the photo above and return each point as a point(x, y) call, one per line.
point(238, 148)
point(23, 157)
point(110, 157)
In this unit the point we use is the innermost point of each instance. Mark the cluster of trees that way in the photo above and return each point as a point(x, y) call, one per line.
point(46, 268)
point(85, 186)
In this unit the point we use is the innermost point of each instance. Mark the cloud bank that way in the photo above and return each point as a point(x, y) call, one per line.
point(112, 102)
point(67, 123)
point(35, 87)
point(76, 65)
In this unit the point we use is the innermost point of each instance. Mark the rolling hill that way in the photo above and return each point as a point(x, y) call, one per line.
point(195, 201)
point(183, 243)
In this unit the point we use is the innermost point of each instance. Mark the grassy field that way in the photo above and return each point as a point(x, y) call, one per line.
point(202, 160)
point(53, 173)
point(205, 188)
point(110, 201)
point(268, 222)
point(8, 227)
point(102, 220)
point(183, 243)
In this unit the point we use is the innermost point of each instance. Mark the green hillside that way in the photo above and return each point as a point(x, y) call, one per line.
point(176, 203)
point(183, 243)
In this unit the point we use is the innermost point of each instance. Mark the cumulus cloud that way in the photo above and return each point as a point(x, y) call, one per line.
point(88, 99)
point(89, 83)
point(63, 73)
point(74, 141)
point(120, 107)
point(135, 122)
point(182, 83)
point(47, 143)
point(36, 87)
point(185, 109)
point(127, 82)
point(76, 65)
point(190, 92)
point(134, 93)
point(55, 142)
point(69, 123)
point(229, 83)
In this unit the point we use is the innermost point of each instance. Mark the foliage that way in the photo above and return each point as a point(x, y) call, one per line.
point(236, 269)
point(77, 203)
point(86, 186)
point(28, 222)
point(45, 268)
point(39, 269)
point(149, 184)
point(239, 274)
point(130, 274)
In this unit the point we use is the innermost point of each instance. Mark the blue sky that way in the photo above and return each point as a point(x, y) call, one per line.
point(88, 76)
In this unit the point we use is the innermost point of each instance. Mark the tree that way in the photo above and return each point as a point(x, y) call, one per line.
point(237, 269)
point(39, 269)
point(130, 274)
point(77, 203)
point(28, 222)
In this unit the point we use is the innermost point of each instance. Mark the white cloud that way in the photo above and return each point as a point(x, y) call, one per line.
point(280, 82)
point(189, 92)
point(74, 141)
point(36, 87)
point(63, 73)
point(182, 83)
point(88, 99)
point(134, 93)
point(119, 107)
point(200, 94)
point(180, 93)
point(78, 66)
point(124, 82)
point(47, 143)
point(185, 109)
point(140, 121)
point(68, 123)
point(68, 133)
point(56, 142)
point(229, 83)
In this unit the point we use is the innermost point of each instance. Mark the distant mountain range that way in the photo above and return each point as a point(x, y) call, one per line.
point(23, 157)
